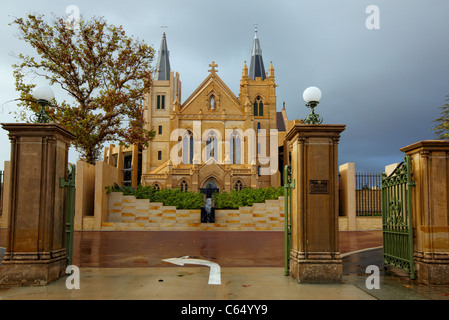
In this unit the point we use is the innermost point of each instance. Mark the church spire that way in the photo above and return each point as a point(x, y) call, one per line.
point(163, 62)
point(256, 68)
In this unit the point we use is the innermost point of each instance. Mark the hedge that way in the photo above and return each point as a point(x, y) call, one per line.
point(246, 197)
point(169, 197)
point(194, 200)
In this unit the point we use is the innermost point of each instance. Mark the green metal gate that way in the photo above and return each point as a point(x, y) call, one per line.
point(70, 210)
point(397, 218)
point(289, 184)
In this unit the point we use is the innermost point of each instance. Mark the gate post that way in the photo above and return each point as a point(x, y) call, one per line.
point(314, 255)
point(430, 200)
point(70, 184)
point(35, 250)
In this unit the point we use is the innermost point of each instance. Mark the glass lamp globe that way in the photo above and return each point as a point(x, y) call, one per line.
point(312, 94)
point(43, 93)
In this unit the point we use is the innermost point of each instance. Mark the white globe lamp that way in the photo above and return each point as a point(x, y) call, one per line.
point(312, 97)
point(43, 95)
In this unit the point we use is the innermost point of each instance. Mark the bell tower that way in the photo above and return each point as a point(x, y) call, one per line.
point(163, 97)
point(258, 95)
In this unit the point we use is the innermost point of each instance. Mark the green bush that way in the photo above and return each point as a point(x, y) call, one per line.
point(246, 197)
point(192, 200)
point(169, 197)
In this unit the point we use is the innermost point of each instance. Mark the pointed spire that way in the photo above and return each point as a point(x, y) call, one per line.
point(162, 71)
point(245, 71)
point(256, 68)
point(271, 70)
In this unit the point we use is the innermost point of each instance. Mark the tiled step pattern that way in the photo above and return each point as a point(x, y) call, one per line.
point(129, 213)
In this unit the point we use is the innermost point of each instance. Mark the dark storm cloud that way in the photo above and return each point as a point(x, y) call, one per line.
point(386, 85)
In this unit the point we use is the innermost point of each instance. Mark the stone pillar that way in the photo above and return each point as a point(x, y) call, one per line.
point(347, 194)
point(35, 251)
point(315, 256)
point(430, 201)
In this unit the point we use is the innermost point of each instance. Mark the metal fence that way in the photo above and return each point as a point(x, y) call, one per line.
point(368, 191)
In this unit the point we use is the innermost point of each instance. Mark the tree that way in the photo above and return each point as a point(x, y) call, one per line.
point(105, 73)
point(442, 127)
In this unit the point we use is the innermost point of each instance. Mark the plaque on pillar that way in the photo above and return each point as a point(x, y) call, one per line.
point(314, 255)
point(35, 252)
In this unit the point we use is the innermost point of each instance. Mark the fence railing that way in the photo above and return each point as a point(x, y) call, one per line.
point(368, 191)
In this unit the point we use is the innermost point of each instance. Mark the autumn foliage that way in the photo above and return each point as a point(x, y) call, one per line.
point(104, 72)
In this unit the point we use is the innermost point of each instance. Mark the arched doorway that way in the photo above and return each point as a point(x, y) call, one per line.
point(210, 185)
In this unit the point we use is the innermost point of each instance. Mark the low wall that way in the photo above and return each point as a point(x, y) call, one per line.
point(91, 205)
point(361, 223)
point(129, 213)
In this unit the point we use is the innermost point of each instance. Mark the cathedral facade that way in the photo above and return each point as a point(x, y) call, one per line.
point(214, 139)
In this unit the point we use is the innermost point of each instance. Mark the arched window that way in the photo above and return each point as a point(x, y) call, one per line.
point(187, 148)
point(184, 186)
point(156, 186)
point(235, 146)
point(238, 185)
point(212, 146)
point(258, 107)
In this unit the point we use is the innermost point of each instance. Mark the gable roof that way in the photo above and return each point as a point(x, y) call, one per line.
point(223, 88)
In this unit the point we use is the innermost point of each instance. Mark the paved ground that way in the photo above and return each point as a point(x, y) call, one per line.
point(255, 283)
point(144, 278)
point(229, 249)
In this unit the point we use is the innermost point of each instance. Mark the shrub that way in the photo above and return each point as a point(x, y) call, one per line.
point(192, 200)
point(169, 197)
point(246, 197)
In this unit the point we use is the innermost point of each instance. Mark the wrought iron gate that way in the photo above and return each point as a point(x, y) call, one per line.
point(397, 218)
point(70, 210)
point(289, 184)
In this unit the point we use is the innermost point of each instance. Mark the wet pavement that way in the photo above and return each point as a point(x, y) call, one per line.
point(128, 265)
point(114, 249)
point(118, 249)
point(392, 285)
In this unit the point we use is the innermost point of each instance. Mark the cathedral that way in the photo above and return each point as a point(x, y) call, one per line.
point(214, 139)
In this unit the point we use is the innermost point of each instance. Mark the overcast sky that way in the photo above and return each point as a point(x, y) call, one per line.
point(385, 84)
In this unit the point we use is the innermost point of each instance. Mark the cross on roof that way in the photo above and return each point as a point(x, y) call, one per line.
point(213, 65)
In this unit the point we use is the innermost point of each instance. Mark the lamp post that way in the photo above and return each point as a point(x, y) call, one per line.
point(43, 95)
point(312, 96)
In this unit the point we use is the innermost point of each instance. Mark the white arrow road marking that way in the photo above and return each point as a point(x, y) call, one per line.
point(214, 274)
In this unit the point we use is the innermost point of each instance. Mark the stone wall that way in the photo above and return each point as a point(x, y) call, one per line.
point(95, 212)
point(91, 205)
point(361, 224)
point(129, 213)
